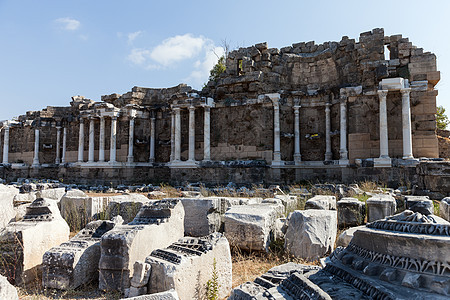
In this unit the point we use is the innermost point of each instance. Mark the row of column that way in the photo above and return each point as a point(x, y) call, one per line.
point(175, 156)
point(297, 156)
point(113, 140)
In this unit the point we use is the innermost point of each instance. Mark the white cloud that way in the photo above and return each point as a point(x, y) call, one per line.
point(68, 23)
point(132, 36)
point(200, 74)
point(177, 48)
point(139, 56)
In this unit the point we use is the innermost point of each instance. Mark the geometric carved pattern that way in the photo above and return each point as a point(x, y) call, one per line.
point(406, 263)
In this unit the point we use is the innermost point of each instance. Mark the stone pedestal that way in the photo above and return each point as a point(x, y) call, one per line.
point(379, 207)
point(351, 212)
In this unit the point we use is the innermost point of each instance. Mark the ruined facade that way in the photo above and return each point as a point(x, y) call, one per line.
point(291, 113)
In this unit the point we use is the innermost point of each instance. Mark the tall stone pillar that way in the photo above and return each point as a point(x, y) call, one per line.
point(343, 128)
point(384, 142)
point(276, 130)
point(406, 124)
point(112, 149)
point(207, 134)
point(81, 141)
point(91, 140)
point(130, 156)
point(64, 147)
point(101, 148)
point(152, 140)
point(6, 145)
point(172, 136)
point(297, 155)
point(191, 157)
point(58, 145)
point(177, 154)
point(36, 148)
point(328, 153)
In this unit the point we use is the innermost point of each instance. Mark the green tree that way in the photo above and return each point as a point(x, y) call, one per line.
point(441, 118)
point(218, 69)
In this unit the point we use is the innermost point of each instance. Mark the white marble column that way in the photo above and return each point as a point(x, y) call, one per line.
point(207, 134)
point(384, 142)
point(406, 124)
point(276, 132)
point(343, 129)
point(6, 145)
point(297, 155)
point(152, 140)
point(177, 154)
point(191, 151)
point(36, 147)
point(58, 145)
point(64, 147)
point(101, 146)
point(81, 141)
point(91, 140)
point(328, 153)
point(130, 156)
point(112, 149)
point(172, 136)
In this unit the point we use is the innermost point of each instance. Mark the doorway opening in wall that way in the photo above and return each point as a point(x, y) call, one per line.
point(387, 52)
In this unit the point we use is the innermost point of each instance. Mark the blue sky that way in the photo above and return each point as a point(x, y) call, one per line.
point(52, 50)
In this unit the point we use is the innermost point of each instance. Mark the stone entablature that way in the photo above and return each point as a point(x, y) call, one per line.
point(302, 106)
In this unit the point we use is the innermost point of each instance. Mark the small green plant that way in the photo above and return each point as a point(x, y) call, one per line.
point(212, 285)
point(436, 205)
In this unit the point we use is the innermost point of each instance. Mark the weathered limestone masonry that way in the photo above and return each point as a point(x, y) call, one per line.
point(339, 110)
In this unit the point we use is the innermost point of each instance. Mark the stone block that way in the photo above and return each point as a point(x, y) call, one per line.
point(75, 262)
point(23, 243)
point(444, 208)
point(346, 236)
point(7, 213)
point(250, 227)
point(321, 202)
point(157, 225)
point(380, 206)
point(54, 194)
point(188, 264)
point(7, 290)
point(167, 295)
point(311, 233)
point(351, 212)
point(126, 205)
point(421, 204)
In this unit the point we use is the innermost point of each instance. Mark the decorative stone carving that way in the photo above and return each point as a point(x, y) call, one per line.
point(157, 225)
point(75, 262)
point(23, 243)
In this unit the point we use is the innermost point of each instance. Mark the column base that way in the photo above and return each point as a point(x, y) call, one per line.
point(382, 162)
point(277, 163)
point(343, 162)
point(187, 164)
point(130, 159)
point(408, 157)
point(297, 159)
point(328, 156)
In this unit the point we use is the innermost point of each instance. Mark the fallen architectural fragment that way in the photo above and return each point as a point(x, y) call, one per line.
point(321, 202)
point(251, 227)
point(380, 206)
point(75, 262)
point(7, 194)
point(7, 291)
point(351, 212)
point(23, 243)
point(304, 111)
point(167, 295)
point(346, 236)
point(404, 256)
point(421, 204)
point(187, 265)
point(157, 225)
point(444, 208)
point(311, 233)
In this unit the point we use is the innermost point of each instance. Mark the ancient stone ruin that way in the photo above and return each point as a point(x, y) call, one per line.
point(339, 110)
point(23, 243)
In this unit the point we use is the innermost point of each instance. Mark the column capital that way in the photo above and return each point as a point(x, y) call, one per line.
point(405, 91)
point(327, 107)
point(343, 98)
point(296, 108)
point(191, 108)
point(58, 127)
point(176, 108)
point(382, 93)
point(114, 118)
